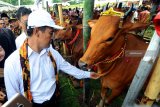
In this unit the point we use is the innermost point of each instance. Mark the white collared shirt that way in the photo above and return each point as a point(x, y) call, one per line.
point(42, 73)
point(20, 39)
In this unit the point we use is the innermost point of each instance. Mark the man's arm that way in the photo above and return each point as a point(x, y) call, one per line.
point(72, 70)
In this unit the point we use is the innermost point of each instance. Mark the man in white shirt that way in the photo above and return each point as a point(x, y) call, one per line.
point(39, 59)
point(22, 16)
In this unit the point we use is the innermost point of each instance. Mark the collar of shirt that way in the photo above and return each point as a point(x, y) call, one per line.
point(30, 51)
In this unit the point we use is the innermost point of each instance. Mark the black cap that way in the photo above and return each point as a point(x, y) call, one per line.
point(13, 18)
point(4, 15)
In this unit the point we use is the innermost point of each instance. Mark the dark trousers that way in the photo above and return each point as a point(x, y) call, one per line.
point(50, 103)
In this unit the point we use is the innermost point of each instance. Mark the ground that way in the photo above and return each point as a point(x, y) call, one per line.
point(73, 97)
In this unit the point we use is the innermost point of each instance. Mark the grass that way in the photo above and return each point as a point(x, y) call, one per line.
point(68, 94)
point(73, 97)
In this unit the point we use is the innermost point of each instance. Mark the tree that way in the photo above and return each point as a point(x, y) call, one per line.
point(57, 1)
point(23, 2)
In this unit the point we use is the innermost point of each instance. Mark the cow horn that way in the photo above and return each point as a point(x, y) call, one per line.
point(128, 12)
point(105, 7)
point(116, 5)
point(119, 5)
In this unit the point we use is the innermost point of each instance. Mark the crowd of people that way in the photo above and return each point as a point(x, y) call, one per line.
point(25, 50)
point(29, 63)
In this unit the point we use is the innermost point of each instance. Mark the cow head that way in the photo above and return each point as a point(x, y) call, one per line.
point(63, 34)
point(67, 33)
point(107, 37)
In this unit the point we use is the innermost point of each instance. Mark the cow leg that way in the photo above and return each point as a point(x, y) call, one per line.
point(114, 94)
point(103, 95)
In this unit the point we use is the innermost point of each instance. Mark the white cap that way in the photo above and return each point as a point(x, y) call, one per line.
point(39, 18)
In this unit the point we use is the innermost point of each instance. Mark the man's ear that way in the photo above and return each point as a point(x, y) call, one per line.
point(36, 31)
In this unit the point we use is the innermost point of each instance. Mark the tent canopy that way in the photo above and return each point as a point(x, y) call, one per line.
point(6, 6)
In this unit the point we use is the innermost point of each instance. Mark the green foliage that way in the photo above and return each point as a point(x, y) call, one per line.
point(57, 1)
point(149, 33)
point(68, 94)
point(27, 2)
point(23, 2)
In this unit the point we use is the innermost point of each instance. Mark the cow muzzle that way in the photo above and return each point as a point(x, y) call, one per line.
point(82, 65)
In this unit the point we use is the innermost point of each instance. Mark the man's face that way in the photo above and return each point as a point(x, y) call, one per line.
point(14, 24)
point(23, 22)
point(2, 53)
point(5, 20)
point(2, 24)
point(45, 37)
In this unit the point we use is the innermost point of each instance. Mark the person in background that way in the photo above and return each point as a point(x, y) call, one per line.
point(144, 16)
point(134, 16)
point(2, 24)
point(7, 46)
point(22, 16)
point(32, 70)
point(2, 53)
point(2, 94)
point(14, 26)
point(6, 18)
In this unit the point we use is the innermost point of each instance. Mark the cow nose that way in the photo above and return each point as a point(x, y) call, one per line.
point(82, 65)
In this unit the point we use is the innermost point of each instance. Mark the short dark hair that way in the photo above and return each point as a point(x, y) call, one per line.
point(4, 15)
point(22, 11)
point(30, 30)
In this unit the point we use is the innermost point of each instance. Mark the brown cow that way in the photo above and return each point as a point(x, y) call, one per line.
point(72, 35)
point(109, 50)
point(73, 38)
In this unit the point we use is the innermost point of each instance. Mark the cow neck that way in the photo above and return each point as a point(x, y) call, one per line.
point(75, 37)
point(112, 60)
point(110, 68)
point(116, 56)
point(119, 54)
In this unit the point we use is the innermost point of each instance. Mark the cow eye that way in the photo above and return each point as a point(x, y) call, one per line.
point(64, 28)
point(110, 39)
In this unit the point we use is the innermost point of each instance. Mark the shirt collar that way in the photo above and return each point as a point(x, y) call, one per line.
point(30, 51)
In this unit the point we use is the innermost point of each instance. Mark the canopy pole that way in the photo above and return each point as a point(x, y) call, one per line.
point(88, 14)
point(143, 71)
point(19, 3)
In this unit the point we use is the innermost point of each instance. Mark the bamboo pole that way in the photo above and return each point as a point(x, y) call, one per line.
point(19, 3)
point(143, 71)
point(61, 23)
point(43, 4)
point(153, 88)
point(47, 6)
point(87, 14)
point(140, 2)
point(56, 10)
point(60, 14)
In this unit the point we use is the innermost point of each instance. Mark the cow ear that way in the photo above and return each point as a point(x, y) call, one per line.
point(92, 23)
point(135, 26)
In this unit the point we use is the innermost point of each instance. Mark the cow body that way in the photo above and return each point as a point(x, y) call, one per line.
point(109, 50)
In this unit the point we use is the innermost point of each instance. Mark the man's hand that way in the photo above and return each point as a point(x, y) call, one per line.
point(2, 96)
point(95, 75)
